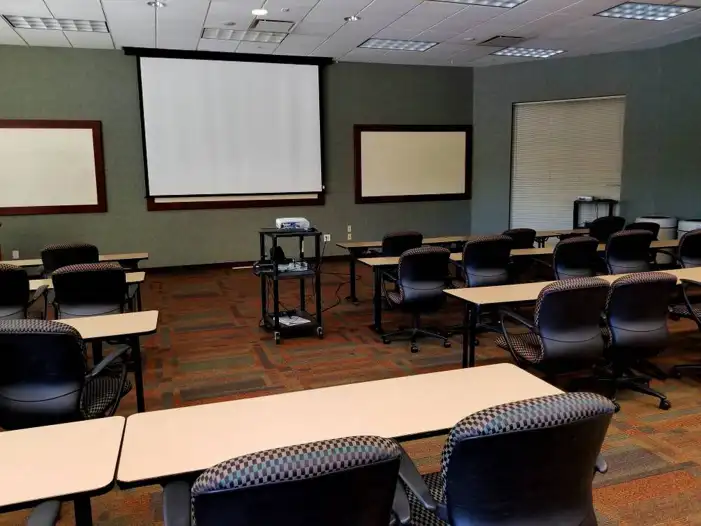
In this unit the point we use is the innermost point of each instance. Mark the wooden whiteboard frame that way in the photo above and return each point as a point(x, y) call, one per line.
point(96, 127)
point(358, 130)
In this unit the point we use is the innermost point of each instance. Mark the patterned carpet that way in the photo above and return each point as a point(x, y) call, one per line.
point(209, 348)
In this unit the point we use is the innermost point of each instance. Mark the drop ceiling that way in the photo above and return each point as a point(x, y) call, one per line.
point(319, 29)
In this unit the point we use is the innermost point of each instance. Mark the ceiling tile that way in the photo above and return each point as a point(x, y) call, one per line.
point(180, 25)
point(397, 34)
point(131, 22)
point(42, 37)
point(8, 37)
point(317, 28)
point(76, 9)
point(225, 46)
point(89, 40)
point(24, 8)
point(265, 48)
point(299, 44)
point(427, 15)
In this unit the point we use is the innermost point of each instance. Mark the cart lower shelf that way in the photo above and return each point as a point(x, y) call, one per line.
point(309, 327)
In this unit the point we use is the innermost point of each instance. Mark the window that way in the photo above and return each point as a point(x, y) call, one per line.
point(561, 150)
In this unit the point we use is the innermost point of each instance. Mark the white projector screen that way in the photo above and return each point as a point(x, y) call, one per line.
point(227, 128)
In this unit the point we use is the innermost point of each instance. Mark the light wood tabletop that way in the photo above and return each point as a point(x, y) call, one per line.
point(132, 278)
point(58, 461)
point(114, 325)
point(160, 444)
point(529, 291)
point(519, 252)
point(132, 256)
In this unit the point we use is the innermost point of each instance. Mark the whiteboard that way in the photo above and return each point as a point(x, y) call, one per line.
point(51, 167)
point(412, 163)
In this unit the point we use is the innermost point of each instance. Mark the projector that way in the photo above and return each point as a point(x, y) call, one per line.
point(292, 223)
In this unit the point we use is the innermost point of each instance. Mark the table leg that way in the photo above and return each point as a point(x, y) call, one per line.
point(139, 305)
point(468, 337)
point(377, 300)
point(351, 278)
point(96, 352)
point(138, 374)
point(83, 511)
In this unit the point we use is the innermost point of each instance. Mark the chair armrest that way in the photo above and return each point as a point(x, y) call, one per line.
point(45, 514)
point(541, 262)
point(668, 253)
point(505, 313)
point(38, 293)
point(176, 504)
point(400, 506)
point(412, 479)
point(601, 466)
point(687, 281)
point(109, 359)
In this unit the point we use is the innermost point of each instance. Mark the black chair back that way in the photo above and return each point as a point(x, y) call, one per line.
point(396, 243)
point(422, 275)
point(575, 257)
point(629, 251)
point(521, 237)
point(54, 257)
point(568, 319)
point(89, 290)
point(526, 463)
point(690, 249)
point(602, 227)
point(42, 373)
point(636, 311)
point(344, 482)
point(14, 292)
point(485, 261)
point(645, 225)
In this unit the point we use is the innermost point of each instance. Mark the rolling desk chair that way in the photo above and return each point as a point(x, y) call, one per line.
point(645, 225)
point(15, 296)
point(521, 238)
point(629, 251)
point(636, 328)
point(524, 463)
point(54, 257)
point(395, 244)
point(90, 289)
point(576, 257)
point(689, 250)
point(422, 275)
point(344, 482)
point(485, 261)
point(602, 227)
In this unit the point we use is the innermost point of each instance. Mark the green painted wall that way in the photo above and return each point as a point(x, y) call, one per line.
point(52, 83)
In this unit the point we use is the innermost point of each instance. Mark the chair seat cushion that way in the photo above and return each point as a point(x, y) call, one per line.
point(101, 393)
point(526, 346)
point(680, 309)
point(420, 516)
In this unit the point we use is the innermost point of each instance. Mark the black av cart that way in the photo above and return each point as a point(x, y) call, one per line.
point(273, 267)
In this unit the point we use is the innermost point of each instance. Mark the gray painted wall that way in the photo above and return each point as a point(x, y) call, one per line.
point(90, 84)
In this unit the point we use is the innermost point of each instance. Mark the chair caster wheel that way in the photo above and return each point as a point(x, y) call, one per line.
point(414, 348)
point(675, 374)
point(278, 338)
point(617, 406)
point(446, 344)
point(665, 404)
point(320, 333)
point(385, 341)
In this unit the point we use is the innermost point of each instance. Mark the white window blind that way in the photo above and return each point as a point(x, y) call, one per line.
point(561, 150)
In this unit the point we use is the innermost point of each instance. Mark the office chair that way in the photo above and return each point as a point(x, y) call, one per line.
point(602, 227)
point(645, 225)
point(90, 289)
point(54, 257)
point(525, 463)
point(15, 296)
point(565, 334)
point(576, 257)
point(629, 251)
point(636, 329)
point(395, 244)
point(521, 237)
point(485, 261)
point(422, 275)
point(345, 482)
point(689, 249)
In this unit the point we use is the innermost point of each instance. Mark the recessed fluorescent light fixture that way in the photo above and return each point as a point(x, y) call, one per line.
point(57, 24)
point(259, 12)
point(213, 33)
point(506, 4)
point(640, 11)
point(397, 45)
point(527, 52)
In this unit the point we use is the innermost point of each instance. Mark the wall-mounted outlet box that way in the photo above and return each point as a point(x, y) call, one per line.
point(327, 238)
point(350, 236)
point(15, 254)
point(350, 229)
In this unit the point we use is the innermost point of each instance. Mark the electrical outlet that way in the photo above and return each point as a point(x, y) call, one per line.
point(350, 236)
point(15, 254)
point(327, 238)
point(350, 229)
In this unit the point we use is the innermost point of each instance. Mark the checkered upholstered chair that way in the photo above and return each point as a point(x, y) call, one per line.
point(521, 237)
point(603, 227)
point(485, 261)
point(15, 296)
point(56, 256)
point(576, 257)
point(629, 251)
point(526, 463)
point(645, 225)
point(565, 333)
point(395, 244)
point(422, 274)
point(341, 482)
point(636, 328)
point(690, 249)
point(91, 289)
point(44, 378)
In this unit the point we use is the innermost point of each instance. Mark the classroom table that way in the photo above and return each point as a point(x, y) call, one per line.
point(74, 461)
point(164, 445)
point(129, 326)
point(357, 248)
point(132, 278)
point(477, 297)
point(128, 260)
point(379, 265)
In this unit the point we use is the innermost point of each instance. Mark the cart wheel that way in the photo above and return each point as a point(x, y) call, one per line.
point(665, 404)
point(385, 341)
point(278, 338)
point(320, 332)
point(261, 323)
point(414, 348)
point(446, 343)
